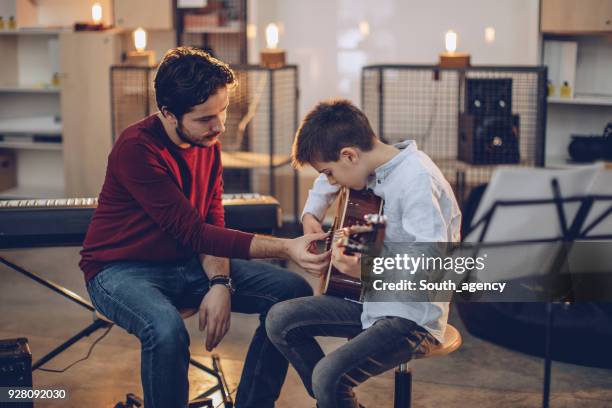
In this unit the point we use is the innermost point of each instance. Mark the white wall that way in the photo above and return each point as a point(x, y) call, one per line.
point(66, 12)
point(323, 37)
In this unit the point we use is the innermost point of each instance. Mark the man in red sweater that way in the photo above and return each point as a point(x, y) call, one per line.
point(157, 241)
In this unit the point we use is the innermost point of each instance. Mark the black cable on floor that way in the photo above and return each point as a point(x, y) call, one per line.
point(49, 370)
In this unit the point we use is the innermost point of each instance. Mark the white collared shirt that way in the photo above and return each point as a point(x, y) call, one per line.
point(420, 207)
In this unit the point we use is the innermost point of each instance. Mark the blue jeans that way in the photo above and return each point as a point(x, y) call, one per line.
point(144, 298)
point(293, 325)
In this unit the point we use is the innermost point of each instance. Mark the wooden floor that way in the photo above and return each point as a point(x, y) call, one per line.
point(479, 374)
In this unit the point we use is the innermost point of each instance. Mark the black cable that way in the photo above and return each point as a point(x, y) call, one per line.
point(49, 370)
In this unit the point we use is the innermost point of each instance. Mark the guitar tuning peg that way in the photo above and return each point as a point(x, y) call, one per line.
point(375, 218)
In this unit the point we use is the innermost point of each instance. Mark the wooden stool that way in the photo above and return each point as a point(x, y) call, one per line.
point(201, 400)
point(403, 374)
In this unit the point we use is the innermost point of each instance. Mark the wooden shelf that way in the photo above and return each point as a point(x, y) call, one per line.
point(575, 17)
point(39, 125)
point(36, 31)
point(251, 160)
point(562, 162)
point(28, 89)
point(568, 33)
point(582, 100)
point(29, 145)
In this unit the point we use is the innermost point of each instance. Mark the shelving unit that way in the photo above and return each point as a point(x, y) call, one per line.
point(589, 24)
point(37, 119)
point(30, 59)
point(35, 133)
point(29, 89)
point(30, 145)
point(86, 58)
point(571, 16)
point(221, 31)
point(30, 126)
point(582, 100)
point(35, 31)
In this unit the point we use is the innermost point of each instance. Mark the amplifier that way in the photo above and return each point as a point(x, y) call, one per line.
point(15, 368)
point(489, 139)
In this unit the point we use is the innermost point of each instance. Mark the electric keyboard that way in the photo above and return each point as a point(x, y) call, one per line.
point(64, 221)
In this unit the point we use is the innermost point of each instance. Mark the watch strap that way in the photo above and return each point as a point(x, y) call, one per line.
point(221, 280)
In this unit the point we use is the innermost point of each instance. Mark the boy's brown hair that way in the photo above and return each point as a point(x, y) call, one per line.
point(327, 129)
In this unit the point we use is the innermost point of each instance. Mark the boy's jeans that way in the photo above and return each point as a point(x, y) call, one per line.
point(143, 298)
point(292, 326)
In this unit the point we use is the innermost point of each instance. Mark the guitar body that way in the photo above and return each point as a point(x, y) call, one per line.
point(353, 205)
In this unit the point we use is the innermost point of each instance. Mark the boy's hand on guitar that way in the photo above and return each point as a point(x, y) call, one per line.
point(298, 251)
point(311, 225)
point(347, 264)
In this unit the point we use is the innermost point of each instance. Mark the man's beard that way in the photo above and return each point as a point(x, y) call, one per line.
point(185, 138)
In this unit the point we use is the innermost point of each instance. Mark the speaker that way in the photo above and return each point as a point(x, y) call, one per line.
point(488, 139)
point(488, 96)
point(15, 368)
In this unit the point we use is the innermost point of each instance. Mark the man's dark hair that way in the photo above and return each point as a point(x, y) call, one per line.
point(327, 129)
point(187, 77)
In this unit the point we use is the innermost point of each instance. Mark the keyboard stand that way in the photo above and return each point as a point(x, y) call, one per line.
point(100, 323)
point(92, 328)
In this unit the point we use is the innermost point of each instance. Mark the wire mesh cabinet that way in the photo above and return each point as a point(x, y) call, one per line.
point(261, 122)
point(469, 121)
point(132, 95)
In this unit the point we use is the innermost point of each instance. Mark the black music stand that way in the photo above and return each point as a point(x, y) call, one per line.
point(100, 323)
point(577, 230)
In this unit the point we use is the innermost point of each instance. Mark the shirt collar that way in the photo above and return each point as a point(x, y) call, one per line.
point(381, 172)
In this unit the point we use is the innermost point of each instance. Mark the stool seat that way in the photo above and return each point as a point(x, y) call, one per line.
point(185, 313)
point(452, 341)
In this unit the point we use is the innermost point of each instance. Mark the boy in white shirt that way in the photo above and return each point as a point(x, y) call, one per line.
point(337, 140)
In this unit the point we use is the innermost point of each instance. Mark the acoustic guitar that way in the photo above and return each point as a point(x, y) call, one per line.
point(360, 223)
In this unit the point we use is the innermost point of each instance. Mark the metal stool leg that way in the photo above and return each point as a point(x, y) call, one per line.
point(403, 386)
point(221, 385)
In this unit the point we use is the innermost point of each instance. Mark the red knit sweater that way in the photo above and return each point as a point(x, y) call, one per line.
point(159, 203)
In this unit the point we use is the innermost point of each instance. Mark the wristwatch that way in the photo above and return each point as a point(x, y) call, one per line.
point(221, 280)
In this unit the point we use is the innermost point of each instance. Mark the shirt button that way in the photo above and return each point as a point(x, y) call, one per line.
point(379, 181)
